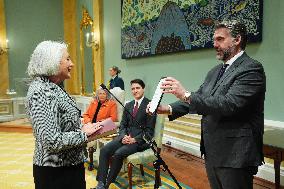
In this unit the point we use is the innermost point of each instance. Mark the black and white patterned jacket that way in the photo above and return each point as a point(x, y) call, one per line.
point(56, 124)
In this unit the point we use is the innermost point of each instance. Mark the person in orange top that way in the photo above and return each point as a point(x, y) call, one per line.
point(101, 108)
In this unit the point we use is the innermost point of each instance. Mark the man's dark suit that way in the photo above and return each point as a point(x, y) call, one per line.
point(232, 114)
point(119, 151)
point(116, 82)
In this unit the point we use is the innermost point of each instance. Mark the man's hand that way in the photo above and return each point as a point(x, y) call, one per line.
point(173, 86)
point(127, 139)
point(162, 109)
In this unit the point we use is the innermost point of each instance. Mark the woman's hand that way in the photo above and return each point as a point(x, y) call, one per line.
point(91, 128)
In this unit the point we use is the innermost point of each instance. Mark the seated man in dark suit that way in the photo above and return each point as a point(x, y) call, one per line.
point(130, 138)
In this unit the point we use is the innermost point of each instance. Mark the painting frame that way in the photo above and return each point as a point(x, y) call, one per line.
point(173, 26)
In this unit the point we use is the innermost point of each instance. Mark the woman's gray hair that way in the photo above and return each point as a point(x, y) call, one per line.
point(46, 58)
point(101, 89)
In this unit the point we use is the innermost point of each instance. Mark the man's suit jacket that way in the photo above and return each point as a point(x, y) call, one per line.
point(116, 82)
point(129, 126)
point(232, 114)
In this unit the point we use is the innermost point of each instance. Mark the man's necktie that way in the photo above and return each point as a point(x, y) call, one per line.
point(135, 109)
point(222, 71)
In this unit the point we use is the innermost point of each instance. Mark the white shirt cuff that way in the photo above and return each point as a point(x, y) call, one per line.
point(170, 110)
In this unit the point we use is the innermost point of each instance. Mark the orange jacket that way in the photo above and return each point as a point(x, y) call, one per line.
point(108, 109)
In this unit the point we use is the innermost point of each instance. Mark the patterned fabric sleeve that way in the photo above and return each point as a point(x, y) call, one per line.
point(46, 119)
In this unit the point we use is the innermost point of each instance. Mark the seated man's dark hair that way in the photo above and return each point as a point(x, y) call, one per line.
point(139, 81)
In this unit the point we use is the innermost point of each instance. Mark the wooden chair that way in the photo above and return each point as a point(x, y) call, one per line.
point(147, 156)
point(94, 145)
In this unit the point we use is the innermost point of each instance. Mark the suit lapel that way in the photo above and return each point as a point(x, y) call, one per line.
point(228, 72)
point(131, 107)
point(215, 76)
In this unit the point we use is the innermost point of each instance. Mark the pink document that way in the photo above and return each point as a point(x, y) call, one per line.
point(108, 128)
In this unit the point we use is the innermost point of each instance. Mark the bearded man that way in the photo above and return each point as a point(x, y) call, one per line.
point(231, 102)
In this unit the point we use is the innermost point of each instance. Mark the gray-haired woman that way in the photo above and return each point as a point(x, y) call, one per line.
point(100, 108)
point(59, 136)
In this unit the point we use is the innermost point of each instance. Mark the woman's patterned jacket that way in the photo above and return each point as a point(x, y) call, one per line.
point(56, 124)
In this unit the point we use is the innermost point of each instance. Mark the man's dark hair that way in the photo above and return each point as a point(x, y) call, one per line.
point(236, 28)
point(139, 81)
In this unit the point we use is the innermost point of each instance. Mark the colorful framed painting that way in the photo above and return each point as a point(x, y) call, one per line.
point(152, 27)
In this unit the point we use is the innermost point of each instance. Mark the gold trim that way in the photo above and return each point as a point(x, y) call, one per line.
point(184, 128)
point(189, 119)
point(98, 54)
point(6, 108)
point(82, 64)
point(85, 22)
point(97, 50)
point(4, 69)
point(86, 19)
point(70, 36)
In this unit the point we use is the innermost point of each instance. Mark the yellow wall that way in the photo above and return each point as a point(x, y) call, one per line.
point(4, 71)
point(70, 36)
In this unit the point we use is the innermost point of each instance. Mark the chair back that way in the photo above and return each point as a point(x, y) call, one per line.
point(148, 156)
point(120, 95)
point(159, 129)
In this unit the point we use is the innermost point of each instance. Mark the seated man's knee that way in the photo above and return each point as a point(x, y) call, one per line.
point(118, 155)
point(105, 151)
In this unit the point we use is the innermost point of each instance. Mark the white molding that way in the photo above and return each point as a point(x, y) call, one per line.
point(186, 146)
point(17, 102)
point(195, 136)
point(17, 109)
point(273, 124)
point(9, 115)
point(5, 118)
point(267, 172)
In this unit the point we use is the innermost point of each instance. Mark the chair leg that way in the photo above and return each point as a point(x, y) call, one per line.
point(130, 166)
point(141, 170)
point(91, 153)
point(158, 177)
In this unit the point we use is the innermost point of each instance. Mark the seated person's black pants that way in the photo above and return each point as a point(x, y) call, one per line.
point(115, 152)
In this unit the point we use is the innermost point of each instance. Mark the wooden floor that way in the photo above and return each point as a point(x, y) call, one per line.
point(191, 170)
point(186, 168)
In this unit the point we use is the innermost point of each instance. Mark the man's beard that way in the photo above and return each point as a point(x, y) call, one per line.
point(227, 53)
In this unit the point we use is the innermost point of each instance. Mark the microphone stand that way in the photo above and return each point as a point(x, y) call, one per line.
point(153, 145)
point(157, 164)
point(105, 88)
